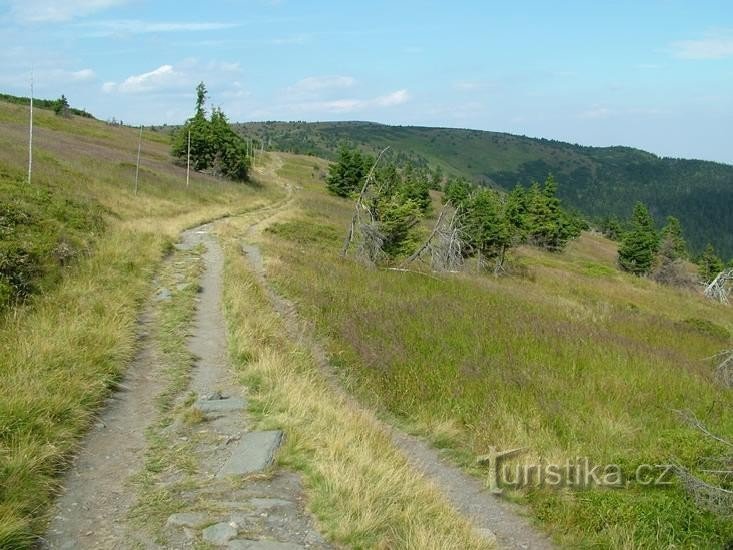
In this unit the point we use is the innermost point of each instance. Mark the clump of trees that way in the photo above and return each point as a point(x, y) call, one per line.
point(662, 255)
point(389, 204)
point(61, 107)
point(492, 223)
point(482, 223)
point(214, 147)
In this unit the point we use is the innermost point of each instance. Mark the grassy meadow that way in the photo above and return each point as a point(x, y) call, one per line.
point(567, 357)
point(91, 247)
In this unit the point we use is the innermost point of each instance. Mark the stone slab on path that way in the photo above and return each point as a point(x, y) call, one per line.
point(229, 404)
point(244, 544)
point(254, 452)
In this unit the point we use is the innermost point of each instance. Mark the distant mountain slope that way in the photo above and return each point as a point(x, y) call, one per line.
point(598, 181)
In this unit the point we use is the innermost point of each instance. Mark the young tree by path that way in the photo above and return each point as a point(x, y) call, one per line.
point(210, 144)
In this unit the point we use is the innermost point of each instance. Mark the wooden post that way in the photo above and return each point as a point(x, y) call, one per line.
point(188, 158)
point(30, 137)
point(139, 146)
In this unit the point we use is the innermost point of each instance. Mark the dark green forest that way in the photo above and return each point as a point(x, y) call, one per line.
point(598, 181)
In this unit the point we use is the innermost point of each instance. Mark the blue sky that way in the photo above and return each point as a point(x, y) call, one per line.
point(654, 74)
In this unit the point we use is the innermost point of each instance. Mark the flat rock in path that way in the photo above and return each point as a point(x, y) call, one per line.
point(254, 452)
point(187, 519)
point(219, 533)
point(228, 404)
point(244, 544)
point(267, 503)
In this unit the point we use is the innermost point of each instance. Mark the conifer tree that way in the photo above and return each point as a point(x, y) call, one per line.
point(346, 175)
point(639, 245)
point(709, 264)
point(214, 146)
point(457, 191)
point(484, 224)
point(673, 236)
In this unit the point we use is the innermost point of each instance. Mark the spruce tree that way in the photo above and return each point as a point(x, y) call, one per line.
point(346, 175)
point(457, 191)
point(639, 245)
point(214, 146)
point(486, 230)
point(709, 264)
point(672, 235)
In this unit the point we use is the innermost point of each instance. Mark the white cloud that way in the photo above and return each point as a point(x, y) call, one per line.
point(41, 11)
point(347, 105)
point(714, 45)
point(220, 78)
point(134, 26)
point(162, 77)
point(82, 75)
point(395, 98)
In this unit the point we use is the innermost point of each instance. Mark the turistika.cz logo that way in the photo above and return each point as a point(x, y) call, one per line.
point(578, 472)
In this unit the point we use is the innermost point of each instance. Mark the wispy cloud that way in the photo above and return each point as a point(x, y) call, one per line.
point(714, 45)
point(82, 75)
point(43, 11)
point(347, 105)
point(134, 26)
point(155, 80)
point(181, 76)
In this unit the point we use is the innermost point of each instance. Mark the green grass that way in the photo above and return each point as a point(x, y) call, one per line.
point(573, 359)
point(71, 340)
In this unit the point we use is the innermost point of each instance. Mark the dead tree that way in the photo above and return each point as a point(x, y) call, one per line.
point(723, 373)
point(719, 289)
point(444, 245)
point(706, 494)
point(371, 239)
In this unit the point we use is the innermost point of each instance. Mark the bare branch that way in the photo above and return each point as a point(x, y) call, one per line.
point(719, 289)
point(690, 418)
point(360, 204)
point(420, 250)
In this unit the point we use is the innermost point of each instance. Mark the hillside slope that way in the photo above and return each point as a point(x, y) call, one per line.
point(598, 181)
point(567, 358)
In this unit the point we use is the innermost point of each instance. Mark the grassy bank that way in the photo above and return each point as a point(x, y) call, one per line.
point(362, 491)
point(70, 341)
point(568, 358)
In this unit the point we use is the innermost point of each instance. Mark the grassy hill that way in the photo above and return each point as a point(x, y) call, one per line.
point(598, 181)
point(78, 248)
point(568, 357)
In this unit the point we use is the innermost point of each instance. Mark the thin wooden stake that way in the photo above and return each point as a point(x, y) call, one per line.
point(139, 146)
point(30, 137)
point(188, 158)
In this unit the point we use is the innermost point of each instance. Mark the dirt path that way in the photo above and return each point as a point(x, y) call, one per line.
point(92, 510)
point(232, 497)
